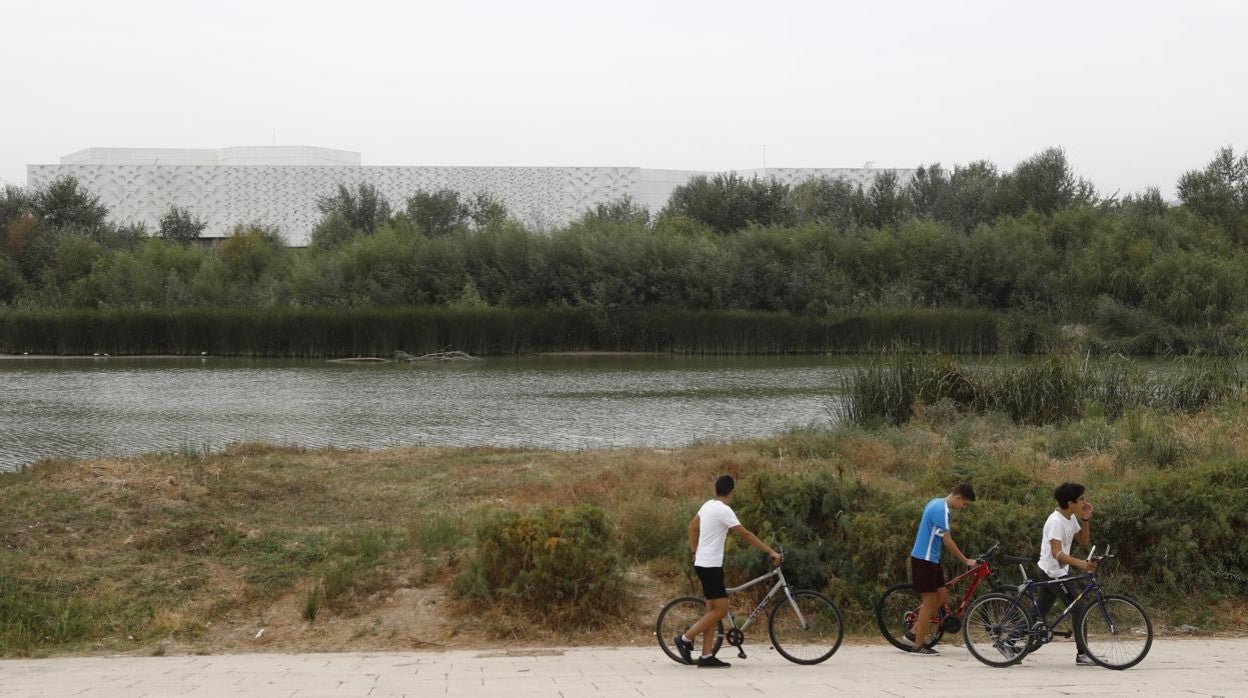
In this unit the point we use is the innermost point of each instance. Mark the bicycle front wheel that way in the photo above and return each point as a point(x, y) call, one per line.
point(1117, 632)
point(895, 614)
point(678, 616)
point(807, 628)
point(996, 630)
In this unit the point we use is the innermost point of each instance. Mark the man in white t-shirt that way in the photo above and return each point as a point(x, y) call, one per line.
point(1068, 523)
point(707, 532)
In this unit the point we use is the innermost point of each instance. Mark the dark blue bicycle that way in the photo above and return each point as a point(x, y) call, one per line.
point(1002, 628)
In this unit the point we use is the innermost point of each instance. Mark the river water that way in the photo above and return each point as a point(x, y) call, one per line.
point(120, 406)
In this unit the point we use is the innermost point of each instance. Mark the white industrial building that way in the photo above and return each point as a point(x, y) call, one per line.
point(279, 185)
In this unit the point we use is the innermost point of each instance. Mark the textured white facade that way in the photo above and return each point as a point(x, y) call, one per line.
point(280, 185)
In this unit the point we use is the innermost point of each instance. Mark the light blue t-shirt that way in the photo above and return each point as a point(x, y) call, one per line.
point(932, 528)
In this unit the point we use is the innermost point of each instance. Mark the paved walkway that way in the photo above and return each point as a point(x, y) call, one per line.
point(1174, 667)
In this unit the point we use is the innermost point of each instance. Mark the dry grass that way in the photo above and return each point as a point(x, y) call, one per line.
point(201, 553)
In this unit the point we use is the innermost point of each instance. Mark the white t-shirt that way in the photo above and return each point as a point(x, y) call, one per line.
point(1057, 527)
point(714, 520)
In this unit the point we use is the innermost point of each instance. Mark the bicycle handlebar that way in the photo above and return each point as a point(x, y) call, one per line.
point(996, 548)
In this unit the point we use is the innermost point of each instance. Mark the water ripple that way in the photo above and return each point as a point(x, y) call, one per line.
point(79, 409)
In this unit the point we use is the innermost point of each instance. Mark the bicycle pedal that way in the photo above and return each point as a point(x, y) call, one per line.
point(740, 654)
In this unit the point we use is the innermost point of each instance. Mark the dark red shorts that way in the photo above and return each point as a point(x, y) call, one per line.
point(926, 576)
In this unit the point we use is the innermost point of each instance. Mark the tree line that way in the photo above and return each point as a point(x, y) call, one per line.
point(1037, 242)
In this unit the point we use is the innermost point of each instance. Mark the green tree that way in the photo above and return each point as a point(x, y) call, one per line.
point(836, 201)
point(365, 208)
point(11, 282)
point(888, 200)
point(1220, 192)
point(180, 226)
point(1044, 183)
point(437, 213)
point(484, 210)
point(63, 204)
point(332, 232)
point(622, 210)
point(728, 202)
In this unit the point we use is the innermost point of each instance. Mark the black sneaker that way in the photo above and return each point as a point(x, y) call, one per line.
point(927, 652)
point(712, 663)
point(1084, 660)
point(685, 648)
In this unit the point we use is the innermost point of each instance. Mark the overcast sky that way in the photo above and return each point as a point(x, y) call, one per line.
point(1137, 92)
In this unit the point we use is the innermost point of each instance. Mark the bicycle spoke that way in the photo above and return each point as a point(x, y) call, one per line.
point(677, 617)
point(1117, 632)
point(896, 613)
point(995, 631)
point(806, 630)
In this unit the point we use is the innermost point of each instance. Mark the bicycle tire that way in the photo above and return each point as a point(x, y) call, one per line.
point(677, 616)
point(1121, 632)
point(996, 630)
point(821, 637)
point(895, 614)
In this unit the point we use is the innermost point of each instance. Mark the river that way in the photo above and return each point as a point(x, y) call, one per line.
point(125, 406)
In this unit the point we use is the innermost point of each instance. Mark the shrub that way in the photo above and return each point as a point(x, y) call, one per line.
point(178, 225)
point(561, 565)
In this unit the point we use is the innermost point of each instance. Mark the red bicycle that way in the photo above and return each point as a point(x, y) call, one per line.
point(898, 609)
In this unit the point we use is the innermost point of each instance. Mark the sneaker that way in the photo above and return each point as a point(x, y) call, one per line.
point(685, 648)
point(712, 663)
point(1084, 660)
point(927, 652)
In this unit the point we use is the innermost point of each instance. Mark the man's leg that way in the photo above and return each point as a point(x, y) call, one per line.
point(717, 609)
point(929, 609)
point(1044, 600)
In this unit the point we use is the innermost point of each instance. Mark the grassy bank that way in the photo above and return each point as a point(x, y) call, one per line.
point(328, 550)
point(287, 332)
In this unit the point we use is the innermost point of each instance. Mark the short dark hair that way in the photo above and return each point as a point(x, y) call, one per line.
point(724, 485)
point(965, 491)
point(1068, 492)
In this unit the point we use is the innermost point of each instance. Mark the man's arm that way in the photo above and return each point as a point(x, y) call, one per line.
point(1055, 547)
point(695, 528)
point(952, 547)
point(1084, 536)
point(754, 541)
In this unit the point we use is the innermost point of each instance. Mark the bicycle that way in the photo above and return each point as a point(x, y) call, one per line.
point(898, 608)
point(1000, 630)
point(805, 627)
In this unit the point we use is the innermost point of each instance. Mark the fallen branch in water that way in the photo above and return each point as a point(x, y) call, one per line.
point(436, 356)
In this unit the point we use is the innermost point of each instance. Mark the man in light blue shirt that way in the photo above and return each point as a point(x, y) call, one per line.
point(925, 573)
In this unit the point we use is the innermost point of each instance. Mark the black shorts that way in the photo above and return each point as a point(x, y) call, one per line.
point(712, 579)
point(925, 576)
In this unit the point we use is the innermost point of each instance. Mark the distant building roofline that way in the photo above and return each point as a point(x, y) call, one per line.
point(304, 155)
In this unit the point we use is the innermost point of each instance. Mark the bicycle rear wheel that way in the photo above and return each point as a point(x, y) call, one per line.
point(1117, 632)
point(677, 617)
point(811, 637)
point(996, 630)
point(895, 614)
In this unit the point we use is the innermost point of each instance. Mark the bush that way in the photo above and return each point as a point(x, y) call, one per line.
point(561, 565)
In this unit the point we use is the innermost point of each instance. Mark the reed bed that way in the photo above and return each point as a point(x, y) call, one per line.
point(316, 333)
point(1055, 389)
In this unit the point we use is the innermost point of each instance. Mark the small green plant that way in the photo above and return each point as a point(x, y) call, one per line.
point(311, 603)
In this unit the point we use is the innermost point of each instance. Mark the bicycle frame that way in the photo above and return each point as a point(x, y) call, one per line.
point(1093, 585)
point(977, 573)
point(780, 584)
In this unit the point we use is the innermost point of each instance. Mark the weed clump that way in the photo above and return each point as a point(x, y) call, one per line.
point(558, 565)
